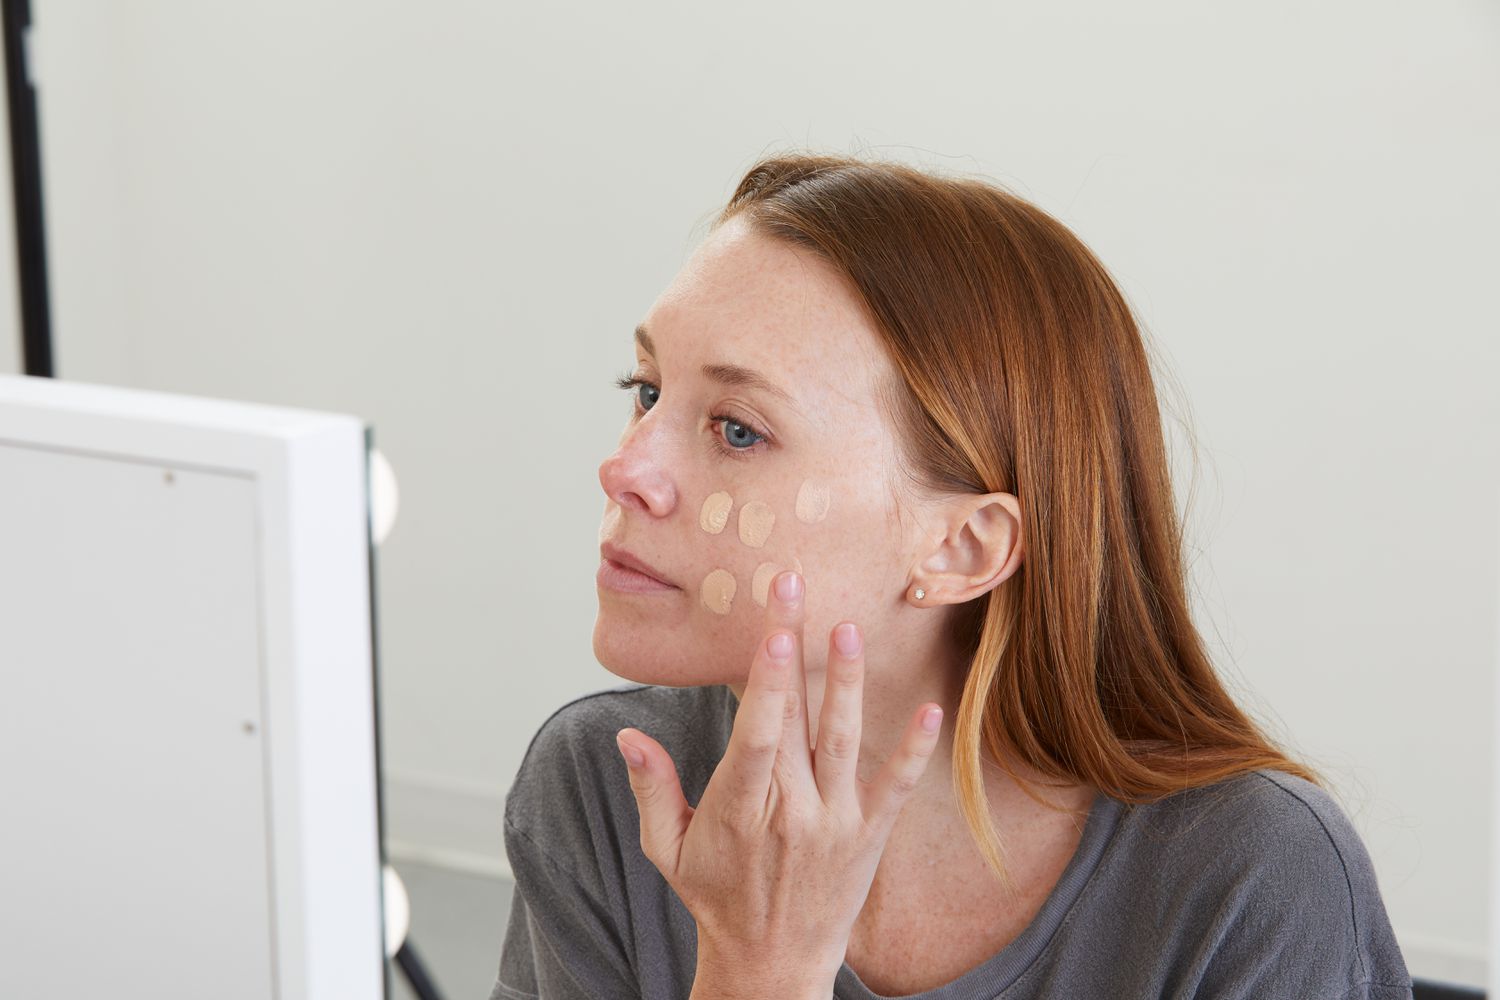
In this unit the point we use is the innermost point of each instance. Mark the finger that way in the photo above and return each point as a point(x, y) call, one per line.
point(785, 608)
point(893, 786)
point(755, 738)
point(842, 716)
point(664, 810)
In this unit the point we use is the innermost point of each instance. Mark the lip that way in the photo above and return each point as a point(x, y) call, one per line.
point(621, 557)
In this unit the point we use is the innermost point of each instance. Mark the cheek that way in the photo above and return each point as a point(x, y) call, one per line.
point(747, 540)
point(751, 535)
point(813, 499)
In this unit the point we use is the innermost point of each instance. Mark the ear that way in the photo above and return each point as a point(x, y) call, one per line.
point(977, 546)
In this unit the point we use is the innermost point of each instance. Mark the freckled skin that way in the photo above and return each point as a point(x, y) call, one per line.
point(746, 300)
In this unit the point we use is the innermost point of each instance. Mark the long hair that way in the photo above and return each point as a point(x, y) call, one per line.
point(1021, 370)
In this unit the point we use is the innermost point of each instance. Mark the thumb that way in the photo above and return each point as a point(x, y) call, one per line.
point(664, 810)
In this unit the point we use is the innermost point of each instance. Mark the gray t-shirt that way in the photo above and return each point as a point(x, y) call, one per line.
point(1256, 887)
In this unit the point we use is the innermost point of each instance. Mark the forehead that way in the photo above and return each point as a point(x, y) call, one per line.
point(746, 299)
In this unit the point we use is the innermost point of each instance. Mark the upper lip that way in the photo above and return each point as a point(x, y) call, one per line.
point(624, 558)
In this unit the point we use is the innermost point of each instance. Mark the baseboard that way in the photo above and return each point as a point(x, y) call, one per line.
point(445, 822)
point(1443, 961)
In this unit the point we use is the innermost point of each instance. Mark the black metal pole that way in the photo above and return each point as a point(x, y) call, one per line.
point(26, 177)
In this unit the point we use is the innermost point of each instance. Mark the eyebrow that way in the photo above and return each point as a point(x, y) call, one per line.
point(735, 375)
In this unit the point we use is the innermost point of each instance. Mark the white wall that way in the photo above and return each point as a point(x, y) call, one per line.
point(447, 217)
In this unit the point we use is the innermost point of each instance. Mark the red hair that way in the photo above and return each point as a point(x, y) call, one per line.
point(1021, 370)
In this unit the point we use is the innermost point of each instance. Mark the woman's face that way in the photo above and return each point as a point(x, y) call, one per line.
point(719, 482)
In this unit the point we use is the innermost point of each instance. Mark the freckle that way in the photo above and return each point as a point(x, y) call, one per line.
point(756, 519)
point(812, 502)
point(717, 591)
point(715, 512)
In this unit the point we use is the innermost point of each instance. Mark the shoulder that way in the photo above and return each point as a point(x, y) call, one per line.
point(571, 820)
point(1268, 856)
point(1277, 826)
point(1271, 818)
point(572, 764)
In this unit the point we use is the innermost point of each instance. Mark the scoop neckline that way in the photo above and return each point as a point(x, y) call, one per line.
point(1001, 970)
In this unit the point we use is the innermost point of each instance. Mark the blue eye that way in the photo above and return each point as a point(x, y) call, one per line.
point(644, 390)
point(742, 435)
point(744, 439)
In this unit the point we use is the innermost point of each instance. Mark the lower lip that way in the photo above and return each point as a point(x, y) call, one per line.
point(616, 577)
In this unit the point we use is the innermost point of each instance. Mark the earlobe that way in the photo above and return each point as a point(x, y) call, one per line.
point(980, 548)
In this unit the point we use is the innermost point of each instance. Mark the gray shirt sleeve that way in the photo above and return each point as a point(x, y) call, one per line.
point(1288, 940)
point(591, 917)
point(1306, 919)
point(560, 943)
point(517, 979)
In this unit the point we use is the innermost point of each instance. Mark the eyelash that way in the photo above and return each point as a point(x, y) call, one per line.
point(630, 382)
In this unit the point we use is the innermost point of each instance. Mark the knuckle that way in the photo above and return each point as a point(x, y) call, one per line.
point(737, 817)
point(848, 674)
point(904, 782)
point(645, 791)
point(788, 822)
point(760, 748)
point(839, 743)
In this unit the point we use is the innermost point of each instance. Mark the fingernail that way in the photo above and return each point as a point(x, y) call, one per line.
point(633, 757)
point(932, 719)
point(846, 638)
point(779, 646)
point(789, 586)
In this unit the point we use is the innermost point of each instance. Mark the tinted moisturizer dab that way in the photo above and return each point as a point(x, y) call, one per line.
point(714, 513)
point(717, 591)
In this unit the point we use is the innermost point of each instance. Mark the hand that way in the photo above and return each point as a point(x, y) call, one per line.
point(777, 859)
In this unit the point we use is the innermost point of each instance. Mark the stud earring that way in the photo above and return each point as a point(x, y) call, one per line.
point(921, 593)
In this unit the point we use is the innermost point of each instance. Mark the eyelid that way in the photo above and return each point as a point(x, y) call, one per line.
point(629, 381)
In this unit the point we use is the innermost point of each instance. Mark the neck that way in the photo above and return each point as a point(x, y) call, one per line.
point(892, 695)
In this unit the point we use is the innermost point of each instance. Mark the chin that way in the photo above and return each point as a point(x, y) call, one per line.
point(651, 653)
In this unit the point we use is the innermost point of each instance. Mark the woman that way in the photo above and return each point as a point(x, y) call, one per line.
point(910, 418)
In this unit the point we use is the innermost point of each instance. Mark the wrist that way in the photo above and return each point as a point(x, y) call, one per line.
point(763, 977)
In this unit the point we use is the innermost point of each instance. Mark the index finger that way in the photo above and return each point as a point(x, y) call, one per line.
point(786, 609)
point(756, 735)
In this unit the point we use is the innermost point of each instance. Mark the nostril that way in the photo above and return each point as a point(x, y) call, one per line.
point(631, 500)
point(633, 478)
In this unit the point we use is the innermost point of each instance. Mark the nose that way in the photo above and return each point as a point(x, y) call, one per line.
point(635, 477)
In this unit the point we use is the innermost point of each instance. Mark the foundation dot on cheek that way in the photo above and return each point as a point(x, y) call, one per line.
point(717, 591)
point(812, 501)
point(760, 583)
point(715, 512)
point(756, 520)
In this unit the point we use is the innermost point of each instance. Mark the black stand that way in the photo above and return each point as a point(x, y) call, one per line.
point(416, 973)
point(26, 173)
